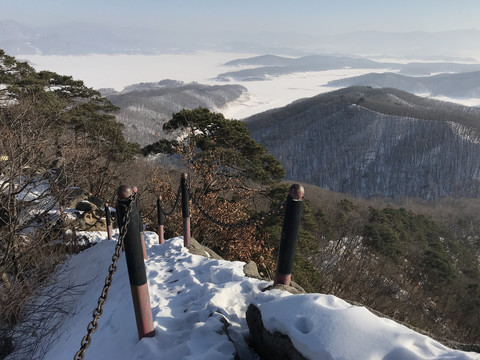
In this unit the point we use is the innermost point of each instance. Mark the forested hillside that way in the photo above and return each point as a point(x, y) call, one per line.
point(416, 262)
point(376, 142)
point(144, 108)
point(461, 85)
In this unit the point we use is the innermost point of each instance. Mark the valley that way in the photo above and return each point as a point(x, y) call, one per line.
point(118, 72)
point(374, 109)
point(376, 143)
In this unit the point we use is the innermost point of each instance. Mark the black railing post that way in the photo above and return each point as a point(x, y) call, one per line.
point(108, 219)
point(288, 241)
point(161, 221)
point(185, 210)
point(135, 262)
point(142, 234)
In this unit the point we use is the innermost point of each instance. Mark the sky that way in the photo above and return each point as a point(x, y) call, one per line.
point(303, 16)
point(191, 297)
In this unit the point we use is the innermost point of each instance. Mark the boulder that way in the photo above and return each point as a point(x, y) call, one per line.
point(198, 249)
point(90, 215)
point(78, 195)
point(293, 288)
point(75, 196)
point(87, 221)
point(250, 269)
point(85, 205)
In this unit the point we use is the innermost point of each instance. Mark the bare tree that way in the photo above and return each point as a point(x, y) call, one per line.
point(31, 187)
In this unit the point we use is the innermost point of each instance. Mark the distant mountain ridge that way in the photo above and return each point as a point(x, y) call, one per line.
point(265, 66)
point(376, 142)
point(146, 107)
point(429, 68)
point(462, 85)
point(75, 38)
point(87, 38)
point(269, 65)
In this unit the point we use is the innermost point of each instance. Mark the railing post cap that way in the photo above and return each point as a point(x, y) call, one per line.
point(124, 192)
point(296, 192)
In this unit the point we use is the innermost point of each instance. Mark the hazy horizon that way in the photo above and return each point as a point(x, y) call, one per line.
point(312, 17)
point(146, 41)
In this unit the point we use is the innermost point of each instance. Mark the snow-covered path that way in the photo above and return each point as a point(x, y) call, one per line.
point(192, 296)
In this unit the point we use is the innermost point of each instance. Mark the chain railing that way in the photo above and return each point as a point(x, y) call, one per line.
point(291, 222)
point(282, 274)
point(175, 205)
point(253, 220)
point(98, 311)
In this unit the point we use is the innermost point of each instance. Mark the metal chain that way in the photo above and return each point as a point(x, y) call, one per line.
point(149, 213)
point(254, 220)
point(167, 214)
point(98, 311)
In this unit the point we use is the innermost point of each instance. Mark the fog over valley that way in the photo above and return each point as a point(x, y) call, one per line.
point(342, 135)
point(270, 91)
point(241, 74)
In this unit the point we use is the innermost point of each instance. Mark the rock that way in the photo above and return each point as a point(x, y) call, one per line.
point(84, 206)
point(90, 216)
point(293, 288)
point(100, 203)
point(251, 270)
point(75, 196)
point(78, 195)
point(269, 346)
point(198, 249)
point(88, 221)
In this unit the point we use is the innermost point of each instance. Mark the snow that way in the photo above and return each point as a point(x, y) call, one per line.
point(192, 296)
point(282, 90)
point(109, 71)
point(347, 331)
point(117, 71)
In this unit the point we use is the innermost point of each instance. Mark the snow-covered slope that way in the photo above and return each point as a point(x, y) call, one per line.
point(376, 142)
point(192, 296)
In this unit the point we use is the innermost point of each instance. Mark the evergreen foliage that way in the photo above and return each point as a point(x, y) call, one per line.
point(227, 175)
point(304, 271)
point(65, 102)
point(399, 262)
point(55, 134)
point(236, 152)
point(391, 259)
point(162, 146)
point(400, 234)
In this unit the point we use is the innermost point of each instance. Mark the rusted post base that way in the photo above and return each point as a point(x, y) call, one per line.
point(161, 221)
point(135, 263)
point(186, 232)
point(160, 233)
point(282, 279)
point(143, 312)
